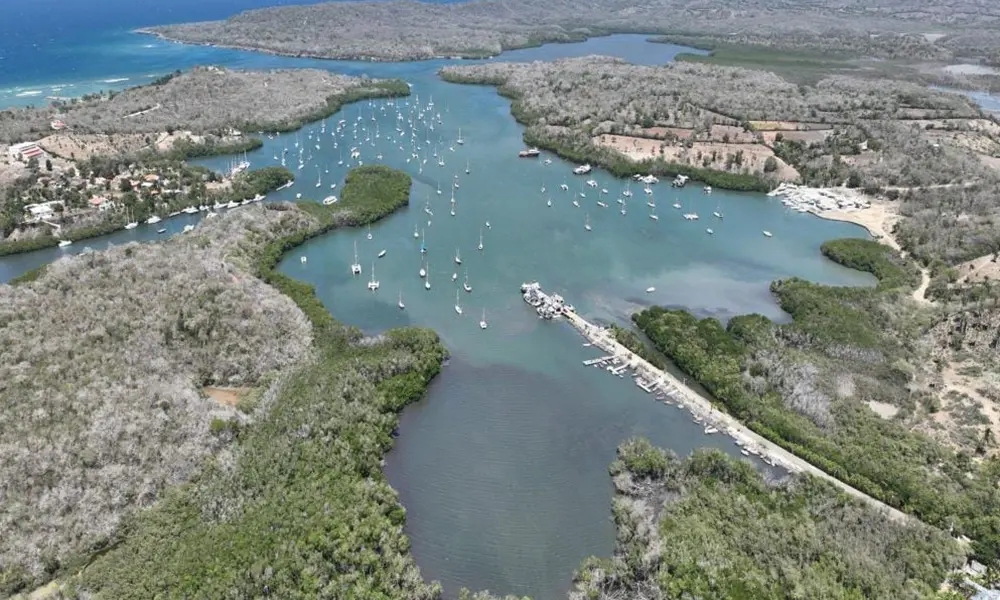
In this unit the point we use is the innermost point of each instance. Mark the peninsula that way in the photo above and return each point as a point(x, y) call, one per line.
point(89, 166)
point(234, 394)
point(404, 30)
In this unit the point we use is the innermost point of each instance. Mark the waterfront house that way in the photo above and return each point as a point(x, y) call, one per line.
point(41, 211)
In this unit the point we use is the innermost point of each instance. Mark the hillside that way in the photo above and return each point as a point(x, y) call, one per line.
point(416, 30)
point(105, 360)
point(205, 100)
point(708, 120)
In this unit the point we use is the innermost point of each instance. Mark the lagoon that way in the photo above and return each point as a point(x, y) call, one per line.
point(503, 466)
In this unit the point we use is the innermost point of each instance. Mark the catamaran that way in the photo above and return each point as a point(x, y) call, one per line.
point(355, 266)
point(458, 305)
point(373, 284)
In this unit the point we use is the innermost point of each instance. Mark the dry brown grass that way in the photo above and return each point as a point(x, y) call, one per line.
point(754, 155)
point(227, 396)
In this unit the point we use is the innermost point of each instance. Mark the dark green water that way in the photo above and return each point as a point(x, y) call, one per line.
point(503, 467)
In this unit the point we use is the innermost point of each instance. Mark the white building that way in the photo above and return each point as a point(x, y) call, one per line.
point(42, 211)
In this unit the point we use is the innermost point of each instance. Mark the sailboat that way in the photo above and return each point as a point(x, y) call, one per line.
point(458, 258)
point(482, 322)
point(586, 223)
point(623, 211)
point(416, 233)
point(480, 246)
point(369, 232)
point(652, 214)
point(453, 202)
point(373, 284)
point(459, 141)
point(423, 245)
point(458, 305)
point(466, 167)
point(131, 223)
point(423, 271)
point(355, 266)
point(427, 281)
point(466, 286)
point(400, 303)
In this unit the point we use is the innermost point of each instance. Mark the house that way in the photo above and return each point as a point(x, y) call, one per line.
point(42, 211)
point(57, 125)
point(25, 151)
point(101, 203)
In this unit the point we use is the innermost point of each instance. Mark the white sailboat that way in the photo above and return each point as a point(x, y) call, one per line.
point(459, 140)
point(373, 284)
point(466, 286)
point(416, 232)
point(369, 232)
point(427, 280)
point(480, 246)
point(131, 223)
point(623, 211)
point(458, 305)
point(453, 202)
point(400, 303)
point(586, 222)
point(482, 322)
point(458, 257)
point(355, 266)
point(652, 214)
point(766, 233)
point(423, 271)
point(466, 167)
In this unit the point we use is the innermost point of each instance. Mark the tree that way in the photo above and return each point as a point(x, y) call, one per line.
point(770, 165)
point(48, 165)
point(125, 185)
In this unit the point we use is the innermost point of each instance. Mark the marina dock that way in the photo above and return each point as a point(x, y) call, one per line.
point(667, 387)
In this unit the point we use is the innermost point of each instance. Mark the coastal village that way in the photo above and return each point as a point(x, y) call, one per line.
point(60, 194)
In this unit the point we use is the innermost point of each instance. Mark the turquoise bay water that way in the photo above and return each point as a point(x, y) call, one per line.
point(503, 466)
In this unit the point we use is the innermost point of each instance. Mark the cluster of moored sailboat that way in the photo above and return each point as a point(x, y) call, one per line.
point(415, 131)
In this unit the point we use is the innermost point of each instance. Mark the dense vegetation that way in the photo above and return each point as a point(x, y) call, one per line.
point(419, 30)
point(101, 393)
point(804, 385)
point(712, 527)
point(712, 122)
point(206, 100)
point(297, 506)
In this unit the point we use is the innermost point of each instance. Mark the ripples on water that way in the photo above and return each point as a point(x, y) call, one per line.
point(503, 467)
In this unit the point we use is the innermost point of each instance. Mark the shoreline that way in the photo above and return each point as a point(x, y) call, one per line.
point(703, 411)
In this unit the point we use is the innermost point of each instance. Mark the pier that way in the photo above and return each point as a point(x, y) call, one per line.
point(666, 386)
